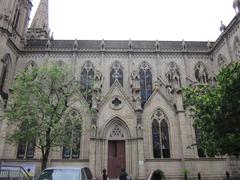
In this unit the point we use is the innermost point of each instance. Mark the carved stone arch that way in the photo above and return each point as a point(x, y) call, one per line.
point(236, 48)
point(145, 66)
point(173, 75)
point(116, 73)
point(200, 72)
point(116, 129)
point(88, 65)
point(221, 61)
point(159, 115)
point(160, 134)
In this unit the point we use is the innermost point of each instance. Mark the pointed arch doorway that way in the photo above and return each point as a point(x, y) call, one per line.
point(117, 134)
point(116, 158)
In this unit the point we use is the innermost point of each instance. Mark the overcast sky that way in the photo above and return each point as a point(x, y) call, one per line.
point(194, 20)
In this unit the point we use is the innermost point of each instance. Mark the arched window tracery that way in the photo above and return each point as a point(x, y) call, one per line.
point(116, 73)
point(160, 135)
point(145, 82)
point(87, 81)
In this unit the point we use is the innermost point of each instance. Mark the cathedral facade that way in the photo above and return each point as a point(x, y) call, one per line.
point(139, 121)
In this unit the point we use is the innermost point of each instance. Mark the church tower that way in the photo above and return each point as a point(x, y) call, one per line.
point(14, 18)
point(39, 28)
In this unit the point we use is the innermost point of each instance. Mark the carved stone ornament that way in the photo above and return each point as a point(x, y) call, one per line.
point(116, 103)
point(201, 73)
point(75, 44)
point(236, 5)
point(221, 61)
point(116, 132)
point(135, 80)
point(159, 115)
point(97, 90)
point(173, 76)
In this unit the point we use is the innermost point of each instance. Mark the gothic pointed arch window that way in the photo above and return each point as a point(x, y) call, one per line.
point(173, 75)
point(145, 75)
point(160, 135)
point(25, 148)
point(73, 135)
point(87, 79)
point(116, 73)
point(201, 74)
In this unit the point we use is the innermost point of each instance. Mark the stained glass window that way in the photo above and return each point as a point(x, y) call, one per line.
point(160, 135)
point(25, 150)
point(156, 139)
point(165, 139)
point(116, 73)
point(87, 77)
point(145, 82)
point(72, 150)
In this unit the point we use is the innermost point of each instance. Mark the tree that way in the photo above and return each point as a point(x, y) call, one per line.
point(38, 108)
point(216, 112)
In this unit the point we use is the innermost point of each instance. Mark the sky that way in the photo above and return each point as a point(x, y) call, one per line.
point(191, 20)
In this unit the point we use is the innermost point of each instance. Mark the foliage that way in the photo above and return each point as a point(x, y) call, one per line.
point(216, 112)
point(38, 108)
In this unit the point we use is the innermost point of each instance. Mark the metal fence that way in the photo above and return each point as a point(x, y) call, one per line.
point(13, 173)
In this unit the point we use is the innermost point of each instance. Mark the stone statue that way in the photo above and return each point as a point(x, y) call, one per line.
point(236, 5)
point(75, 44)
point(183, 45)
point(209, 45)
point(135, 85)
point(157, 45)
point(222, 27)
point(102, 44)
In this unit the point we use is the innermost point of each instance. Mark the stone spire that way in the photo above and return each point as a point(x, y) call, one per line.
point(39, 27)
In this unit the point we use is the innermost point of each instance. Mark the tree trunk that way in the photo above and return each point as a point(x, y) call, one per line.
point(47, 148)
point(44, 162)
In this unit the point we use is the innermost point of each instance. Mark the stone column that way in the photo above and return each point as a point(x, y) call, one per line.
point(3, 131)
point(140, 148)
point(92, 156)
point(184, 127)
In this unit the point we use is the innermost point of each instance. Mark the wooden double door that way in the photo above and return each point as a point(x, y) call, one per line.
point(116, 158)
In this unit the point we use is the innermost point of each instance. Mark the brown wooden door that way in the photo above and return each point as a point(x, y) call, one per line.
point(116, 158)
